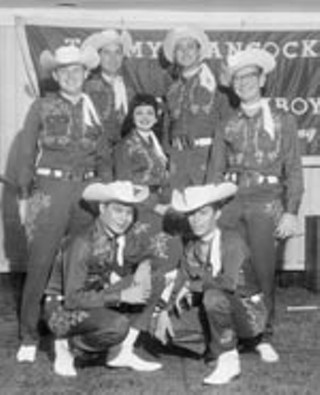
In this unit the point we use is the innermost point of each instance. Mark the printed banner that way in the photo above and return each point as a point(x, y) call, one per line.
point(294, 86)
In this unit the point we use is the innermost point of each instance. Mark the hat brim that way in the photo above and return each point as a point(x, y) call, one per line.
point(174, 36)
point(104, 193)
point(195, 197)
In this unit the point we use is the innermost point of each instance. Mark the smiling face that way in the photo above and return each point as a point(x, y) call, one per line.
point(204, 220)
point(187, 53)
point(70, 78)
point(116, 217)
point(247, 83)
point(144, 117)
point(111, 58)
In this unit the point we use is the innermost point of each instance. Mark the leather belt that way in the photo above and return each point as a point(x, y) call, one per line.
point(65, 175)
point(203, 142)
point(251, 178)
point(182, 143)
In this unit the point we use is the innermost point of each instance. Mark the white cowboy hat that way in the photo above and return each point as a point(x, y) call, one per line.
point(120, 191)
point(179, 33)
point(100, 39)
point(251, 57)
point(195, 197)
point(69, 54)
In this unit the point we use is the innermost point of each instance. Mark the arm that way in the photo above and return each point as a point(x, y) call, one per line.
point(217, 161)
point(292, 167)
point(104, 160)
point(29, 149)
point(292, 179)
point(122, 162)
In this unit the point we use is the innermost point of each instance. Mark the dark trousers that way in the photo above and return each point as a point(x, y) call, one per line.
point(220, 319)
point(256, 219)
point(230, 318)
point(52, 206)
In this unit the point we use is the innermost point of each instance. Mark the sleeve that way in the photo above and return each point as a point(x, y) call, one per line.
point(29, 148)
point(217, 162)
point(122, 162)
point(76, 272)
point(292, 167)
point(104, 162)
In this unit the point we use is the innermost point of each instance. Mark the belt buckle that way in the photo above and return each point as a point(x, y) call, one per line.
point(88, 175)
point(57, 173)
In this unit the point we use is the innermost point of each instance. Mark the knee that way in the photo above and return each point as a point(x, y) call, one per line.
point(215, 300)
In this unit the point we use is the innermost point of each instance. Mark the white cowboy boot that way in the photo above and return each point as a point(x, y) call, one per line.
point(227, 369)
point(64, 360)
point(267, 352)
point(27, 353)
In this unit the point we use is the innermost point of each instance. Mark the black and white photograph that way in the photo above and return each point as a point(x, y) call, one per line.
point(159, 197)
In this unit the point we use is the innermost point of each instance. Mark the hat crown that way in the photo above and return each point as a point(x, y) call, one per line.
point(68, 54)
point(182, 32)
point(251, 57)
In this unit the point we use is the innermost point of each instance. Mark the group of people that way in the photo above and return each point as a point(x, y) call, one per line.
point(147, 198)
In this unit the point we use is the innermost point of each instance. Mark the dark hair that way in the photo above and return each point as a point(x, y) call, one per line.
point(141, 99)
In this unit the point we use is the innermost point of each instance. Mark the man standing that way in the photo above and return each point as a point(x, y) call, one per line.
point(107, 283)
point(195, 104)
point(215, 281)
point(119, 78)
point(60, 154)
point(260, 152)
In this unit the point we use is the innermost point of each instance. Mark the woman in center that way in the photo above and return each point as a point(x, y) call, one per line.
point(139, 157)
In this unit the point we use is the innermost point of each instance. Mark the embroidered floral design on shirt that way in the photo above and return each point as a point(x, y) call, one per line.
point(62, 320)
point(190, 96)
point(140, 227)
point(159, 245)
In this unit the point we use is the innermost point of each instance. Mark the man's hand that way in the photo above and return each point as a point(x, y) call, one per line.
point(23, 206)
point(135, 295)
point(163, 327)
point(184, 298)
point(288, 226)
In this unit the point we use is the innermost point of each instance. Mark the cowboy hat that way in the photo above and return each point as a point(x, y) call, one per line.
point(120, 191)
point(179, 33)
point(195, 197)
point(100, 39)
point(69, 54)
point(251, 57)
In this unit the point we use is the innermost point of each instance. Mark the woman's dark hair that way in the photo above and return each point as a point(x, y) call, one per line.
point(141, 99)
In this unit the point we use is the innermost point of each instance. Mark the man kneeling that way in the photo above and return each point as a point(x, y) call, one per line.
point(216, 280)
point(107, 284)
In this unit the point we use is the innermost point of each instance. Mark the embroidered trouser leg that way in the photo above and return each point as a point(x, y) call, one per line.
point(231, 317)
point(48, 220)
point(100, 330)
